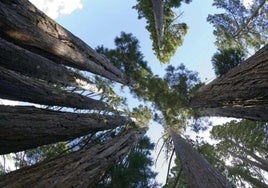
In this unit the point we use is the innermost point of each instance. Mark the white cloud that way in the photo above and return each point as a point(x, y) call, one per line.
point(247, 3)
point(56, 8)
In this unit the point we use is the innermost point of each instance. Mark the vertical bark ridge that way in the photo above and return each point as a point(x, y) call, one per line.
point(242, 92)
point(25, 127)
point(18, 87)
point(83, 168)
point(20, 60)
point(25, 25)
point(198, 172)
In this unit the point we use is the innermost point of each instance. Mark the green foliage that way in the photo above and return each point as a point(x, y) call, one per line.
point(33, 156)
point(127, 57)
point(175, 3)
point(239, 27)
point(173, 31)
point(249, 134)
point(142, 115)
point(244, 142)
point(134, 171)
point(226, 59)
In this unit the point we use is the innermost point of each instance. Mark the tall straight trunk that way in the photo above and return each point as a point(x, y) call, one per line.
point(198, 172)
point(158, 11)
point(20, 60)
point(83, 168)
point(242, 92)
point(28, 127)
point(25, 25)
point(15, 86)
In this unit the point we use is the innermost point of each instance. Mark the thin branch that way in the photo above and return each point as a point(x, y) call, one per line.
point(177, 178)
point(169, 164)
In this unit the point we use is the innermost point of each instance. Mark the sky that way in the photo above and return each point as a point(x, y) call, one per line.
point(98, 22)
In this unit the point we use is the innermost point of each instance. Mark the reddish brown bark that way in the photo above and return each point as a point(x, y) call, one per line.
point(24, 127)
point(198, 172)
point(242, 92)
point(25, 25)
point(15, 86)
point(30, 64)
point(79, 169)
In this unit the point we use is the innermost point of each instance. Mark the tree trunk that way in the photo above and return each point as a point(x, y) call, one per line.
point(18, 59)
point(83, 168)
point(25, 25)
point(158, 11)
point(15, 86)
point(198, 172)
point(24, 128)
point(242, 92)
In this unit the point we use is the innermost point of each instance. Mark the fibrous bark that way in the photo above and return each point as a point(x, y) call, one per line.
point(199, 173)
point(25, 25)
point(242, 92)
point(24, 127)
point(83, 168)
point(30, 64)
point(18, 87)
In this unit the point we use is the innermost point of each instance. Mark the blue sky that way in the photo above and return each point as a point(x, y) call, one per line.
point(98, 22)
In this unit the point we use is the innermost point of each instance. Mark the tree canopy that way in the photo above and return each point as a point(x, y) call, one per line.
point(241, 151)
point(165, 45)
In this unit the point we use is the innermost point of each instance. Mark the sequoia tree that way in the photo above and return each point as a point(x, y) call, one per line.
point(198, 172)
point(241, 93)
point(15, 86)
point(30, 64)
point(25, 25)
point(28, 127)
point(166, 33)
point(82, 168)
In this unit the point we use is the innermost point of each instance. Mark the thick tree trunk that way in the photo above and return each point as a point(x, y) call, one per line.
point(25, 25)
point(158, 11)
point(15, 86)
point(18, 59)
point(198, 172)
point(242, 92)
point(79, 169)
point(24, 128)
